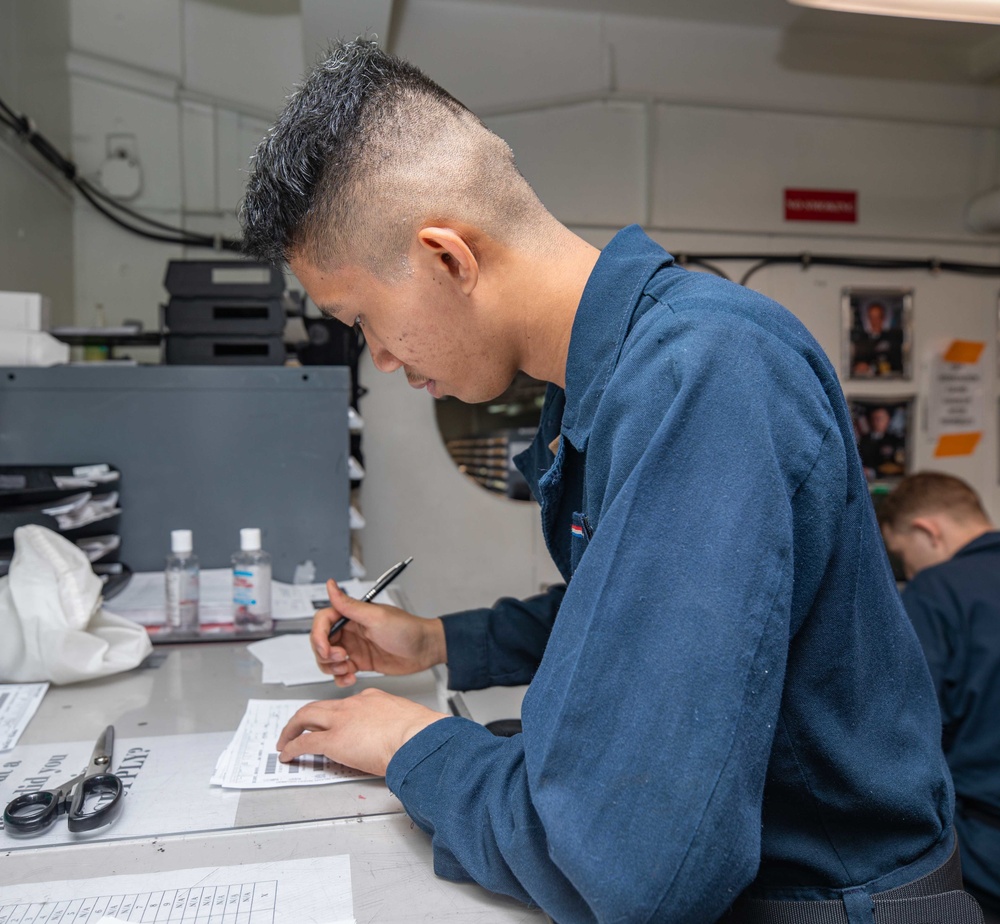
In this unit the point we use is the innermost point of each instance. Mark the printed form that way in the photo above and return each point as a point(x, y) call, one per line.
point(251, 761)
point(316, 890)
point(18, 703)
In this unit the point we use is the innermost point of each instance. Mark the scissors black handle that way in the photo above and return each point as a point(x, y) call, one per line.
point(32, 812)
point(91, 800)
point(96, 802)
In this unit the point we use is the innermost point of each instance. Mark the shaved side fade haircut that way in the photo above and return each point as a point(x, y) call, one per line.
point(366, 150)
point(928, 493)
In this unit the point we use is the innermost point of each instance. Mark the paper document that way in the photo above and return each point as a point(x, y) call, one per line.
point(289, 659)
point(143, 598)
point(18, 703)
point(316, 890)
point(251, 761)
point(96, 547)
point(83, 509)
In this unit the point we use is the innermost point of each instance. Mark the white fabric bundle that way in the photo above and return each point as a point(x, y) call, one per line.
point(52, 626)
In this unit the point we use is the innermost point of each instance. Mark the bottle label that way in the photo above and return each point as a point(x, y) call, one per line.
point(251, 595)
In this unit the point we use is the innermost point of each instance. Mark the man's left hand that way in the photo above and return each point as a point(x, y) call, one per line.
point(362, 731)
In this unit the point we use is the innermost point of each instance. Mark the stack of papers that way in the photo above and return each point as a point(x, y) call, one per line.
point(143, 599)
point(251, 761)
point(18, 703)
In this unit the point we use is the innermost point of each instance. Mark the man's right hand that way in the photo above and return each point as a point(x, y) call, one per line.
point(375, 638)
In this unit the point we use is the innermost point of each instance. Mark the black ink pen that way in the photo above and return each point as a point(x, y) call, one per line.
point(378, 587)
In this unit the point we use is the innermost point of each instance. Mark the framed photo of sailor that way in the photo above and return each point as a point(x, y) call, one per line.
point(882, 432)
point(877, 325)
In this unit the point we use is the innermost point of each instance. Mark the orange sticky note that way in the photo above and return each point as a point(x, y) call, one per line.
point(964, 351)
point(957, 444)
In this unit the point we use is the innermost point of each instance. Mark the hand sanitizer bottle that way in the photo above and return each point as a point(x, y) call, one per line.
point(182, 582)
point(251, 584)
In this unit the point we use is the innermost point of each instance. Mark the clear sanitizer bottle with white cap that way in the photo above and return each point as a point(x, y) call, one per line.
point(251, 584)
point(182, 582)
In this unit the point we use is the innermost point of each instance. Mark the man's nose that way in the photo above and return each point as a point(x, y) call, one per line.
point(383, 359)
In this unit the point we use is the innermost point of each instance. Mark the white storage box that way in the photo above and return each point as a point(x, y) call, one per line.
point(24, 311)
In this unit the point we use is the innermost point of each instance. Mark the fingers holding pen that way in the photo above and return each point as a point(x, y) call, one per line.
point(331, 654)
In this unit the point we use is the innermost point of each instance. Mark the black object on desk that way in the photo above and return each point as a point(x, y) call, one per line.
point(90, 800)
point(504, 728)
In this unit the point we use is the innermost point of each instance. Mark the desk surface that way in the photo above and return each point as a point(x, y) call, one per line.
point(201, 688)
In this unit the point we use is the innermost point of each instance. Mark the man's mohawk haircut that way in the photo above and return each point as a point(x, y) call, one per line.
point(318, 141)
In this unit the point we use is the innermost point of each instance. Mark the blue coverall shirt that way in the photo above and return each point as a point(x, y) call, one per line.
point(727, 690)
point(955, 608)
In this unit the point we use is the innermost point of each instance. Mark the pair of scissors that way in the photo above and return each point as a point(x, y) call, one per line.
point(91, 800)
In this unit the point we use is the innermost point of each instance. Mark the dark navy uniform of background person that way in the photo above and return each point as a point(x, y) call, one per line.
point(727, 690)
point(955, 608)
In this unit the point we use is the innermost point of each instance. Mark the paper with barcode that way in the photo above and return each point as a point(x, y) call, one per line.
point(18, 703)
point(251, 760)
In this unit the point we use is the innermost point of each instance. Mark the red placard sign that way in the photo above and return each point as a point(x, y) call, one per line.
point(821, 205)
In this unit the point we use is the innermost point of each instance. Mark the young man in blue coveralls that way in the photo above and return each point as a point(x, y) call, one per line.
point(950, 551)
point(729, 716)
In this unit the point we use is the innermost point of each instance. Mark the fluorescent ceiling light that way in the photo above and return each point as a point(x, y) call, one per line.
point(957, 10)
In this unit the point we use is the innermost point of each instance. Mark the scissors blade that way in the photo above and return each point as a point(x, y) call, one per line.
point(96, 800)
point(100, 760)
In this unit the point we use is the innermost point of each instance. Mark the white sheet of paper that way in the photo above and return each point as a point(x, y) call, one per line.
point(251, 761)
point(316, 890)
point(166, 779)
point(143, 598)
point(18, 703)
point(288, 659)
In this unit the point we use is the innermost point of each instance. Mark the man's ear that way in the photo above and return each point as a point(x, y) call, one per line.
point(930, 527)
point(453, 254)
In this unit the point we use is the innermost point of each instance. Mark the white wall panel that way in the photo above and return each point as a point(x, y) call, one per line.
point(100, 110)
point(324, 21)
point(743, 66)
point(493, 56)
point(36, 240)
point(241, 56)
point(727, 169)
point(586, 162)
point(144, 33)
point(237, 136)
point(197, 144)
point(119, 270)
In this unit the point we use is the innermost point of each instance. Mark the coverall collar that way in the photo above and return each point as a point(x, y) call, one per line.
point(602, 322)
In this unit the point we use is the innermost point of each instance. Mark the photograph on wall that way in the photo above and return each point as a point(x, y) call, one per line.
point(882, 432)
point(877, 333)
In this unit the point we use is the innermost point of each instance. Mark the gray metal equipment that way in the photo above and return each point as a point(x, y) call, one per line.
point(206, 448)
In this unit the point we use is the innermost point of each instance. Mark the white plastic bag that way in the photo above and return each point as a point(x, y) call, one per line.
point(52, 626)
